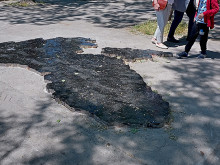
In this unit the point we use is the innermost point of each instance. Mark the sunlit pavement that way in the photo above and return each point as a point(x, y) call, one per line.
point(35, 129)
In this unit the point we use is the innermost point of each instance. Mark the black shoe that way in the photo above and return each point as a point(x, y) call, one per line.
point(172, 40)
point(182, 55)
point(202, 55)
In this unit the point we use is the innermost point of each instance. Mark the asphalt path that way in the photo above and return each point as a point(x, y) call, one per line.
point(35, 129)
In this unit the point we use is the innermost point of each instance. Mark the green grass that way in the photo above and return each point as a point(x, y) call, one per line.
point(134, 130)
point(150, 26)
point(20, 4)
point(24, 3)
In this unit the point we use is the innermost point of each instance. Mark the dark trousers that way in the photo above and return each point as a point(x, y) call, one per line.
point(203, 38)
point(191, 10)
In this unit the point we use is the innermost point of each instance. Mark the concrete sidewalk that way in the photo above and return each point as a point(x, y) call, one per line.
point(35, 129)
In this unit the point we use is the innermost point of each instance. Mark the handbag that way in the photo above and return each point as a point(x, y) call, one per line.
point(162, 3)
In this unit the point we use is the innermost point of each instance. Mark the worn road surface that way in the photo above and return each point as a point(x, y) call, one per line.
point(35, 129)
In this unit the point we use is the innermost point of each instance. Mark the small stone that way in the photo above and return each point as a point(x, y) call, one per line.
point(108, 145)
point(202, 153)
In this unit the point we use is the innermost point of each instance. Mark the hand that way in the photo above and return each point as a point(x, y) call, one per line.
point(157, 6)
point(201, 16)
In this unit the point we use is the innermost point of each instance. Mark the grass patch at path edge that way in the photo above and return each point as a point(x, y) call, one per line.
point(150, 26)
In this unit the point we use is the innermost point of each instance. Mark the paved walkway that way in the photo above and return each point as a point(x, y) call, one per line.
point(35, 129)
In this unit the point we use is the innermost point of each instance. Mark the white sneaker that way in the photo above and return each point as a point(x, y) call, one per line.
point(161, 45)
point(153, 40)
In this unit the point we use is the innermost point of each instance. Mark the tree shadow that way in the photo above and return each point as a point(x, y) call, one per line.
point(196, 92)
point(117, 14)
point(49, 134)
point(192, 89)
point(210, 55)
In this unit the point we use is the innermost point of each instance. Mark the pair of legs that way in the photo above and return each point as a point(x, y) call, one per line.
point(203, 40)
point(162, 19)
point(194, 34)
point(178, 15)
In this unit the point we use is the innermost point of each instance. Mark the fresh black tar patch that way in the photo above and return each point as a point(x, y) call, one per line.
point(101, 85)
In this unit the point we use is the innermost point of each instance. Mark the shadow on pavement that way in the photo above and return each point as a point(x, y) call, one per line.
point(46, 136)
point(75, 140)
point(192, 89)
point(197, 92)
point(117, 14)
point(210, 55)
point(55, 136)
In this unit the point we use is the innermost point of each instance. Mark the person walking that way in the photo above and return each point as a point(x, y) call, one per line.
point(162, 19)
point(181, 6)
point(204, 20)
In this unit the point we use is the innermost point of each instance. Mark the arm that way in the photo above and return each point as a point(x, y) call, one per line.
point(214, 8)
point(156, 5)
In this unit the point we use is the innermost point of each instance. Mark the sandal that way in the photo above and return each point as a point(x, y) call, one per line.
point(161, 45)
point(154, 40)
